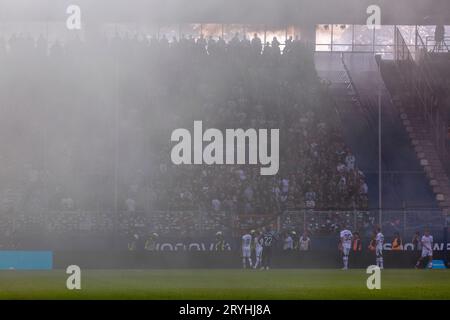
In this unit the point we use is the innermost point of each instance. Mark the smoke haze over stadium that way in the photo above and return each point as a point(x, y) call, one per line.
point(162, 146)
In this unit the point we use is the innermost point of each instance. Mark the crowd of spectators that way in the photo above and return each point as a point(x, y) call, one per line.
point(85, 126)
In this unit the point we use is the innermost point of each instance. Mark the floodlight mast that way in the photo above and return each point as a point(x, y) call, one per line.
point(380, 178)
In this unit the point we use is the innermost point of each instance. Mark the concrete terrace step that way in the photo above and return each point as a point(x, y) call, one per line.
point(430, 155)
point(427, 149)
point(436, 169)
point(444, 181)
point(444, 187)
point(441, 190)
point(414, 117)
point(421, 155)
point(419, 136)
point(414, 113)
point(445, 204)
point(433, 175)
point(427, 157)
point(418, 126)
point(434, 162)
point(415, 129)
point(419, 130)
point(419, 122)
point(420, 142)
point(439, 182)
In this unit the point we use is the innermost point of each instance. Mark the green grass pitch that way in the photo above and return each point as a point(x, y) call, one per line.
point(226, 284)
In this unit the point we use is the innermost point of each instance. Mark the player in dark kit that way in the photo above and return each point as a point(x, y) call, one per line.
point(268, 238)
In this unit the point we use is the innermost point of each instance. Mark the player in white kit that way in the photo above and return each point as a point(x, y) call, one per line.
point(257, 240)
point(246, 250)
point(379, 240)
point(427, 250)
point(345, 245)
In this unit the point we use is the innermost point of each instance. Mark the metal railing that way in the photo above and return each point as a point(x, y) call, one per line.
point(421, 81)
point(197, 223)
point(404, 221)
point(432, 45)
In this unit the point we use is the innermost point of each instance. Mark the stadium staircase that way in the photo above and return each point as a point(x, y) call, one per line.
point(419, 132)
point(355, 82)
point(351, 117)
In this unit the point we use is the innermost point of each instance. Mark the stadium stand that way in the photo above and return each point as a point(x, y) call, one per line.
point(420, 99)
point(108, 125)
point(277, 89)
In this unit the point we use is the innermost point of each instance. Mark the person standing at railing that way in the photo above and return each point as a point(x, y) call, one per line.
point(397, 243)
point(416, 242)
point(372, 243)
point(439, 35)
point(356, 244)
point(256, 44)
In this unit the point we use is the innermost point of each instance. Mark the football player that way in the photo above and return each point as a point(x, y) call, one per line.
point(257, 240)
point(379, 240)
point(427, 249)
point(268, 239)
point(345, 245)
point(246, 250)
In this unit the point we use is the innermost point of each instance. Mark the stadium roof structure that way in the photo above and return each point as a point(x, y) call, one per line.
point(274, 12)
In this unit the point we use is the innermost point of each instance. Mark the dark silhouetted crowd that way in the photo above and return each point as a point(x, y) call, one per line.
point(85, 128)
